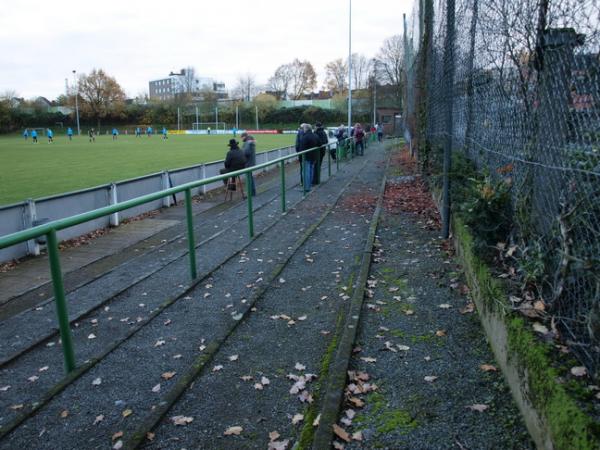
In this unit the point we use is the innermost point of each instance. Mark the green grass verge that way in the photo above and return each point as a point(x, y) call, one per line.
point(38, 170)
point(567, 423)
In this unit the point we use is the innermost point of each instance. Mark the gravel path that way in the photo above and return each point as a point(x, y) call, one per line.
point(422, 365)
point(117, 393)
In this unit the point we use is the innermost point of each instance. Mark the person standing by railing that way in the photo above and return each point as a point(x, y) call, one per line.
point(324, 140)
point(249, 150)
point(359, 136)
point(309, 140)
point(299, 135)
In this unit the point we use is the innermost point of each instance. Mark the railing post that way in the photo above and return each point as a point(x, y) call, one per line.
point(30, 216)
point(166, 184)
point(203, 176)
point(249, 197)
point(190, 228)
point(61, 304)
point(113, 200)
point(337, 157)
point(282, 170)
point(328, 150)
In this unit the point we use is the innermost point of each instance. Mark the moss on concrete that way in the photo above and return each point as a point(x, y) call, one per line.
point(563, 422)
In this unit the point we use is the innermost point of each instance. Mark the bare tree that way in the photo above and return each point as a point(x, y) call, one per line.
point(360, 71)
point(279, 83)
point(303, 78)
point(100, 94)
point(246, 87)
point(336, 72)
point(187, 80)
point(388, 65)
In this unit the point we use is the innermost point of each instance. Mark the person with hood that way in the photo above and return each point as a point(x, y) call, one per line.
point(324, 140)
point(235, 159)
point(249, 150)
point(379, 132)
point(359, 136)
point(309, 140)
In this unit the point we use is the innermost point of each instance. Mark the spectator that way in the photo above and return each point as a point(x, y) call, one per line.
point(235, 159)
point(379, 132)
point(324, 140)
point(249, 150)
point(309, 140)
point(299, 135)
point(359, 136)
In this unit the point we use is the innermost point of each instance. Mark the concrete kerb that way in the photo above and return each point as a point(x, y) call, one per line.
point(201, 361)
point(196, 368)
point(333, 396)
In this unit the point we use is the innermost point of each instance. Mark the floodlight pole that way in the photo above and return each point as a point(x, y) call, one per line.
point(237, 117)
point(256, 113)
point(350, 68)
point(197, 121)
point(216, 117)
point(77, 102)
point(374, 92)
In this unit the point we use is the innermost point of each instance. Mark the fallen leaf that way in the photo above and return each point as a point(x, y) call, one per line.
point(4, 388)
point(233, 431)
point(246, 377)
point(64, 414)
point(159, 343)
point(258, 386)
point(317, 421)
point(156, 388)
point(338, 445)
point(43, 369)
point(265, 381)
point(539, 328)
point(15, 407)
point(178, 356)
point(127, 413)
point(357, 436)
point(282, 280)
point(273, 435)
point(117, 435)
point(368, 359)
point(445, 306)
point(403, 347)
point(118, 445)
point(97, 381)
point(167, 322)
point(99, 419)
point(356, 402)
point(91, 336)
point(297, 418)
point(430, 378)
point(408, 312)
point(299, 367)
point(578, 371)
point(237, 317)
point(278, 445)
point(350, 413)
point(341, 433)
point(469, 308)
point(488, 368)
point(168, 375)
point(150, 436)
point(478, 407)
point(33, 378)
point(301, 318)
point(181, 420)
point(217, 368)
point(440, 333)
point(233, 357)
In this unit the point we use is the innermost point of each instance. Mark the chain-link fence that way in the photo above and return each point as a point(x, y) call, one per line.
point(514, 86)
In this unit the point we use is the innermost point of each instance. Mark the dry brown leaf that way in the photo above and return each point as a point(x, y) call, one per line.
point(150, 436)
point(445, 306)
point(233, 357)
point(156, 388)
point(117, 435)
point(273, 435)
point(356, 402)
point(440, 333)
point(246, 377)
point(97, 381)
point(15, 407)
point(217, 368)
point(265, 381)
point(539, 328)
point(297, 418)
point(168, 375)
point(236, 430)
point(181, 420)
point(430, 378)
point(469, 308)
point(341, 433)
point(338, 445)
point(368, 359)
point(299, 367)
point(64, 414)
point(127, 412)
point(357, 436)
point(317, 421)
point(488, 368)
point(258, 386)
point(278, 445)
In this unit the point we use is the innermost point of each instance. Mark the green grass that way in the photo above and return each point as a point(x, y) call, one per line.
point(38, 170)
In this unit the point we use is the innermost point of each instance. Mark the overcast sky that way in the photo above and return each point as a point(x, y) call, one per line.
point(135, 41)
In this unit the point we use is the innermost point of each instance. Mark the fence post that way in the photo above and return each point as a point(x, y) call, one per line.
point(61, 304)
point(203, 176)
point(113, 200)
point(449, 85)
point(249, 198)
point(470, 88)
point(282, 170)
point(328, 150)
point(29, 217)
point(190, 229)
point(166, 184)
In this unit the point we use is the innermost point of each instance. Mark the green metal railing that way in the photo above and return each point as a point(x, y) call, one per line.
point(49, 229)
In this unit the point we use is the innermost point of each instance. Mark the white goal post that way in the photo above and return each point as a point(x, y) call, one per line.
point(211, 125)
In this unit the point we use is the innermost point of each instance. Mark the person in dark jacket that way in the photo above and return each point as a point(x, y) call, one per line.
point(309, 140)
point(359, 136)
point(298, 139)
point(249, 150)
point(235, 159)
point(324, 140)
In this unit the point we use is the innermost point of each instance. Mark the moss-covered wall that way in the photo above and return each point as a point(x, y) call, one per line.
point(554, 418)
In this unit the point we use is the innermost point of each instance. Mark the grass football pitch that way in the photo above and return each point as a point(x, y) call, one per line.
point(38, 170)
